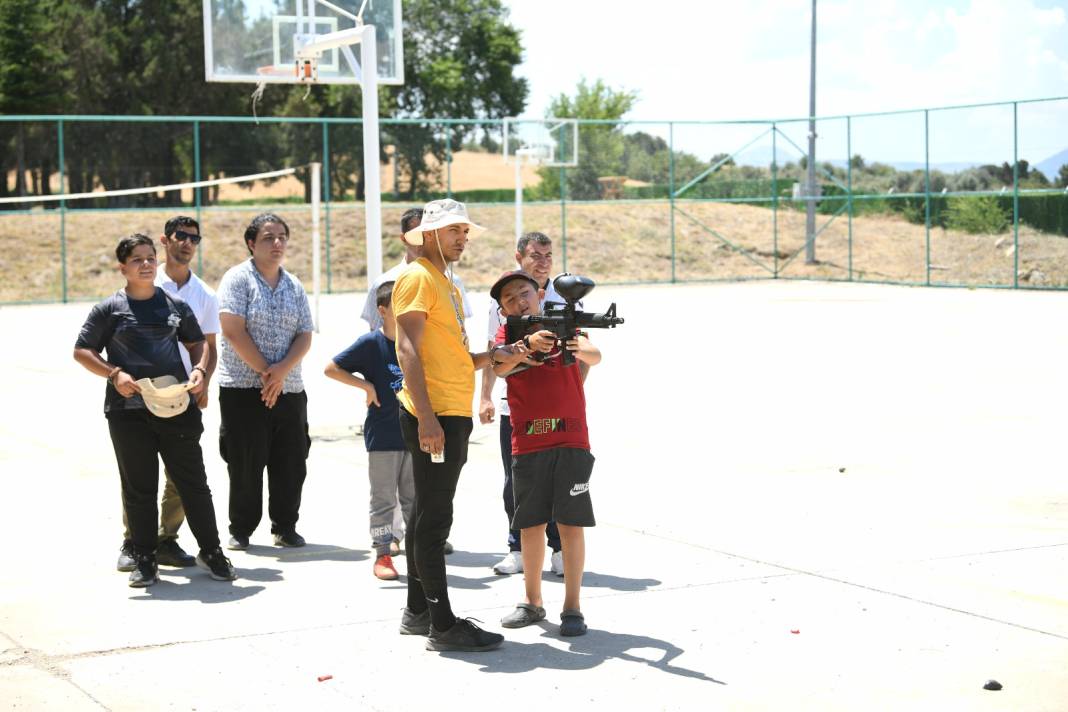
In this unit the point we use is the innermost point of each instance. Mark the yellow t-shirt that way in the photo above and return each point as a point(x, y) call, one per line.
point(447, 365)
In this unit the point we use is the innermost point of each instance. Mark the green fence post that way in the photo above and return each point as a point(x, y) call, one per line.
point(326, 200)
point(196, 191)
point(927, 189)
point(671, 186)
point(563, 215)
point(774, 202)
point(849, 191)
point(62, 215)
point(1015, 202)
point(448, 161)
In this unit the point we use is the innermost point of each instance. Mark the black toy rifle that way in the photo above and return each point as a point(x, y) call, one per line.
point(563, 320)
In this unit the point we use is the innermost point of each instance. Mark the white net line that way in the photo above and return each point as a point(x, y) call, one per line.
point(150, 189)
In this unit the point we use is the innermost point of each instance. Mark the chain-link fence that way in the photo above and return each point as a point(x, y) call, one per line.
point(974, 195)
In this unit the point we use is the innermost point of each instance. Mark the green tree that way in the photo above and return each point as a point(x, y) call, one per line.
point(459, 61)
point(32, 77)
point(1062, 177)
point(601, 146)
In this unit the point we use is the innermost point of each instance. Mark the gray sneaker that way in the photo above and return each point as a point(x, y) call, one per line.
point(145, 572)
point(415, 623)
point(126, 561)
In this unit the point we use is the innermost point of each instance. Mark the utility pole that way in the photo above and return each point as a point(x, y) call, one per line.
point(811, 189)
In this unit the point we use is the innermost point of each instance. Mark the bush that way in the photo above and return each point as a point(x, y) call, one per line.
point(977, 215)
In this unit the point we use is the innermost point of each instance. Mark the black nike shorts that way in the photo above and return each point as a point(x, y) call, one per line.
point(552, 485)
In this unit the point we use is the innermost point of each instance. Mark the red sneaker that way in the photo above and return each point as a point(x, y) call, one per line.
point(384, 568)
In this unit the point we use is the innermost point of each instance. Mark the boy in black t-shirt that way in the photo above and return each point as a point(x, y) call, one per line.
point(374, 356)
point(139, 327)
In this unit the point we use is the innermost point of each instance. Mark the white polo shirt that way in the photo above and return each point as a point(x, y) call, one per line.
point(494, 323)
point(201, 299)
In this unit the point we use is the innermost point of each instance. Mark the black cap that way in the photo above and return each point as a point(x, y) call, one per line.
point(495, 290)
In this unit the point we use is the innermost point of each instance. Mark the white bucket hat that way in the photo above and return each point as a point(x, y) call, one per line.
point(164, 396)
point(438, 214)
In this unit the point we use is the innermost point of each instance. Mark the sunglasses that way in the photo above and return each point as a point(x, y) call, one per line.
point(183, 235)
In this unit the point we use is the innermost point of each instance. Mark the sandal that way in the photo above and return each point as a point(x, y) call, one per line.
point(572, 622)
point(524, 614)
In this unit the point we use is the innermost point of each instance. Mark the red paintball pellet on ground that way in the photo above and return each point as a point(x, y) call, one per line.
point(796, 631)
point(324, 678)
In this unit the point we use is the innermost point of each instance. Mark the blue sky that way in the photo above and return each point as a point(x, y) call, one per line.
point(724, 60)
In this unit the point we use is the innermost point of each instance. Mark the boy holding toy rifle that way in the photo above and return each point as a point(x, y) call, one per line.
point(551, 460)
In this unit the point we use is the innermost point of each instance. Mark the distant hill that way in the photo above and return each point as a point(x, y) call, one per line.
point(1052, 165)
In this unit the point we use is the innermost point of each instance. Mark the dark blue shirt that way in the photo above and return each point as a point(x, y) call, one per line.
point(141, 336)
point(374, 357)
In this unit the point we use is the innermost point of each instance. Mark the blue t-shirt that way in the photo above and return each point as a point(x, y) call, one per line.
point(374, 357)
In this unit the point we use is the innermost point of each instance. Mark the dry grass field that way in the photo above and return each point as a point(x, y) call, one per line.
point(611, 242)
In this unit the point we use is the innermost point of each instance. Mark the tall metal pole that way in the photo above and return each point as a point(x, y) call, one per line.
point(371, 184)
point(810, 188)
point(316, 170)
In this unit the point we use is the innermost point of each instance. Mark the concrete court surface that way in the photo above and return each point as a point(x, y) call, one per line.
point(810, 497)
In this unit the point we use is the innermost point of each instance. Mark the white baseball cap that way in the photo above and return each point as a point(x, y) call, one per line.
point(438, 214)
point(164, 396)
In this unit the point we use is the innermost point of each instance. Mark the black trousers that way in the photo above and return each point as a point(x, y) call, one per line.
point(253, 437)
point(431, 520)
point(140, 439)
point(552, 534)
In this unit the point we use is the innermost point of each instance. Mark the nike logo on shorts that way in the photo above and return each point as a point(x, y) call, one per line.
point(576, 490)
point(432, 600)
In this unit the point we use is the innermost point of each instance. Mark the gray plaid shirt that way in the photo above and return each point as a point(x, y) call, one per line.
point(273, 318)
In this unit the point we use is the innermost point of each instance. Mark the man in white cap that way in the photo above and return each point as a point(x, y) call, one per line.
point(435, 417)
point(409, 220)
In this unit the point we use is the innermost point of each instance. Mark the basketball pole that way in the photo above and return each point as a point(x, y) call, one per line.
point(518, 197)
point(316, 173)
point(372, 188)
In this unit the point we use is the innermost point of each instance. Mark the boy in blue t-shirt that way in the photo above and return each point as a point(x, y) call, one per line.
point(374, 356)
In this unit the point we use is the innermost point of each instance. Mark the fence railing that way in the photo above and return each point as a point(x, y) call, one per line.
point(953, 196)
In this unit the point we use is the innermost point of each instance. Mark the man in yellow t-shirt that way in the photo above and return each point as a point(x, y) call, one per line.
point(435, 418)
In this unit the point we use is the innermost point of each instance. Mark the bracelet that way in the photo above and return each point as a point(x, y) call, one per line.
point(202, 371)
point(526, 342)
point(114, 372)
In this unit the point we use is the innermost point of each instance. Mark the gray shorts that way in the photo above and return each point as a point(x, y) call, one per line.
point(552, 485)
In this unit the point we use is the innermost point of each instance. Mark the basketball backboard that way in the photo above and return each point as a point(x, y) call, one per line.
point(547, 142)
point(255, 41)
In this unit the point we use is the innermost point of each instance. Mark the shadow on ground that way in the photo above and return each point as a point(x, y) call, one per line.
point(309, 552)
point(583, 653)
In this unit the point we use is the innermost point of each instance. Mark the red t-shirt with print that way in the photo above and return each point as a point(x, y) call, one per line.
point(548, 406)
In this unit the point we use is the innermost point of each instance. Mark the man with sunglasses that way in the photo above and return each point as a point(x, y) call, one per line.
point(180, 239)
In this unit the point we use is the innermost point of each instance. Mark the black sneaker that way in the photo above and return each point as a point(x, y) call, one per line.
point(145, 571)
point(290, 538)
point(237, 543)
point(464, 636)
point(168, 553)
point(216, 564)
point(126, 561)
point(415, 623)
